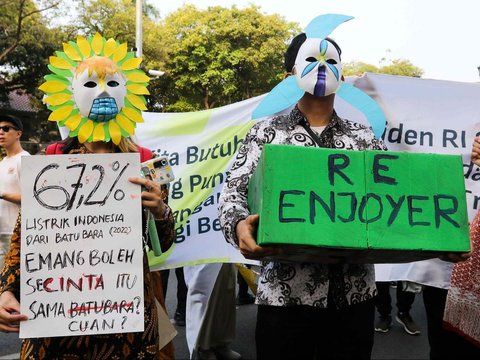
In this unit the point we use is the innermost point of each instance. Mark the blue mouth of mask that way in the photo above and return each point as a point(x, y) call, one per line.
point(103, 109)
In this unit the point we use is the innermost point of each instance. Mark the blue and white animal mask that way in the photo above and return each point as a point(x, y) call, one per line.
point(318, 68)
point(318, 71)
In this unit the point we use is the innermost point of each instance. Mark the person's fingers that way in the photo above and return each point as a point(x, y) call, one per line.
point(149, 185)
point(455, 257)
point(10, 322)
point(8, 329)
point(250, 249)
point(260, 252)
point(252, 220)
point(246, 233)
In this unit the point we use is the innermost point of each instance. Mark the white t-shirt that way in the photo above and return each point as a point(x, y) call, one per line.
point(10, 183)
point(318, 129)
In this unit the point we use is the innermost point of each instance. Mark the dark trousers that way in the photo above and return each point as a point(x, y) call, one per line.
point(242, 285)
point(383, 301)
point(444, 344)
point(181, 288)
point(307, 332)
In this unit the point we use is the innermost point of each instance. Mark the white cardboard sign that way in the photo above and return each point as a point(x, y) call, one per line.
point(81, 246)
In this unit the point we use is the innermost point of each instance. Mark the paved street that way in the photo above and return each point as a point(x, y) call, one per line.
point(396, 344)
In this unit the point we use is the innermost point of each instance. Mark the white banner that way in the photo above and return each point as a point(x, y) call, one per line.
point(82, 251)
point(428, 116)
point(423, 115)
point(200, 146)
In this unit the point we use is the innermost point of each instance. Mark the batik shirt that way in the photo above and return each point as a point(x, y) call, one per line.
point(286, 284)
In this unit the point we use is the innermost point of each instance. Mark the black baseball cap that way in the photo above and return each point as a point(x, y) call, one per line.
point(13, 120)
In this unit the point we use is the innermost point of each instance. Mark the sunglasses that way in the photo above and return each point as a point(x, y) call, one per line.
point(7, 128)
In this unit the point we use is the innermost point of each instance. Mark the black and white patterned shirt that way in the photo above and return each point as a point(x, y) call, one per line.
point(286, 284)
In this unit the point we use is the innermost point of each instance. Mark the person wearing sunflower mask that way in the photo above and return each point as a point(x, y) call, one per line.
point(96, 91)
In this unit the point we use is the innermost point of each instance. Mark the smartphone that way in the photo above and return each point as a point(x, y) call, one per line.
point(157, 170)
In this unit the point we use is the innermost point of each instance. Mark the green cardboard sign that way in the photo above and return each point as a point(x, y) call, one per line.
point(393, 202)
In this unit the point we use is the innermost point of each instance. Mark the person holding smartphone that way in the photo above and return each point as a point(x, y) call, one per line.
point(98, 84)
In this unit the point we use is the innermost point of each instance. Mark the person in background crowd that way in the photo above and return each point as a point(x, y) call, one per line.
point(11, 129)
point(211, 314)
point(243, 296)
point(462, 302)
point(405, 299)
point(179, 316)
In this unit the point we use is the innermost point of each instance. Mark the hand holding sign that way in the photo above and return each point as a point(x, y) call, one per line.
point(9, 313)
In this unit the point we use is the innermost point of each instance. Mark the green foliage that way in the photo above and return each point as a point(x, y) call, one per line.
point(116, 19)
point(111, 18)
point(219, 56)
point(26, 43)
point(211, 57)
point(400, 67)
point(358, 68)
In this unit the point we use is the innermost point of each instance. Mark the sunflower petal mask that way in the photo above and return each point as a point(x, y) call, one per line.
point(96, 89)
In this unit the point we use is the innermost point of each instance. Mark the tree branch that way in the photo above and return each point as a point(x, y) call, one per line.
point(41, 10)
point(18, 33)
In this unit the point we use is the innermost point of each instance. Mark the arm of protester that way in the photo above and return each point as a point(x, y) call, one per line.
point(155, 199)
point(10, 274)
point(166, 225)
point(12, 197)
point(10, 316)
point(10, 285)
point(246, 231)
point(475, 155)
point(233, 202)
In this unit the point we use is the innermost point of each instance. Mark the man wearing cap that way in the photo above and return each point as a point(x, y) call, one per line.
point(11, 129)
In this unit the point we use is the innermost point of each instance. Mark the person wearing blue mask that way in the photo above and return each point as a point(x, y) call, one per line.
point(305, 310)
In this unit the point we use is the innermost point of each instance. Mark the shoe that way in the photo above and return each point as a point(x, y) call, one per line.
point(225, 353)
point(408, 324)
point(245, 299)
point(383, 324)
point(179, 318)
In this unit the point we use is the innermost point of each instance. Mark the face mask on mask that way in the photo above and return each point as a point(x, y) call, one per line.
point(99, 99)
point(318, 68)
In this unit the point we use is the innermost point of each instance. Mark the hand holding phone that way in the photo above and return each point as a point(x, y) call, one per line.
point(157, 170)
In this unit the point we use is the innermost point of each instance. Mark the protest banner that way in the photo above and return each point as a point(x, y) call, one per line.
point(370, 204)
point(422, 114)
point(82, 253)
point(200, 147)
point(428, 116)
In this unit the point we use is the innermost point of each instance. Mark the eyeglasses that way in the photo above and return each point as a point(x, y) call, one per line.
point(7, 128)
